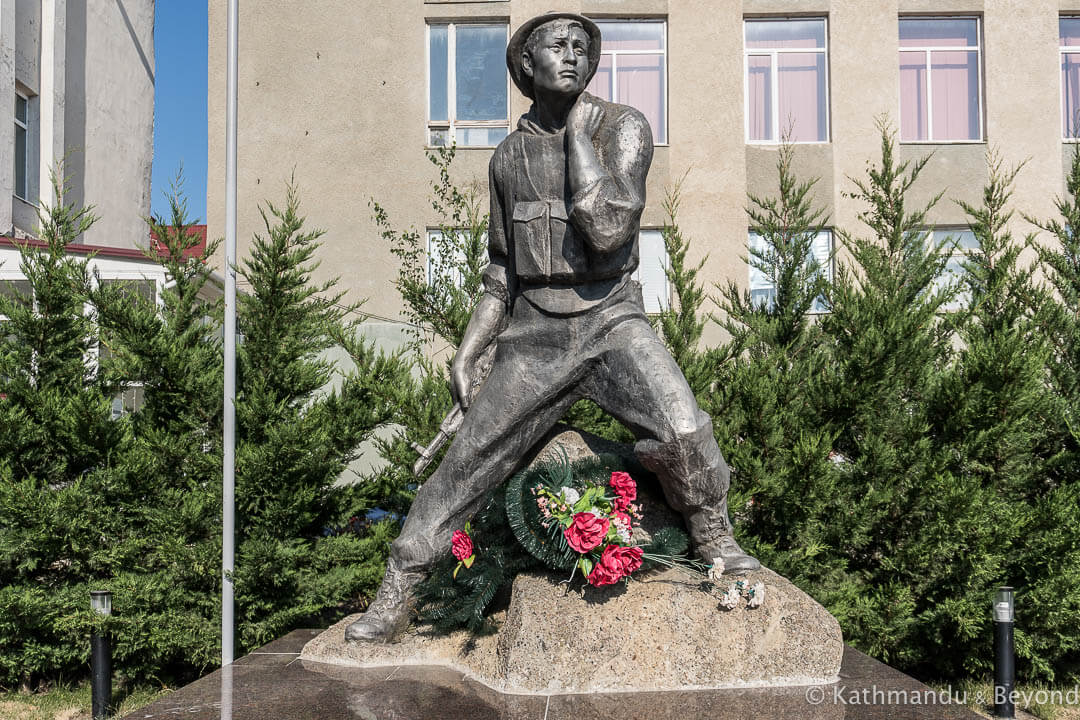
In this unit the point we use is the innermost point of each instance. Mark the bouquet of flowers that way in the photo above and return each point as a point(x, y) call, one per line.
point(575, 517)
point(596, 524)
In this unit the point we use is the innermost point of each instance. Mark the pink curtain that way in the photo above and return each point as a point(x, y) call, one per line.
point(600, 85)
point(801, 79)
point(913, 125)
point(954, 77)
point(640, 80)
point(1070, 95)
point(759, 97)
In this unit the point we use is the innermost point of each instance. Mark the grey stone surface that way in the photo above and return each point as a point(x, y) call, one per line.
point(662, 632)
point(274, 683)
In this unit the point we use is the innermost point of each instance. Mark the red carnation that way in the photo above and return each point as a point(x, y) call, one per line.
point(461, 545)
point(624, 486)
point(616, 562)
point(586, 531)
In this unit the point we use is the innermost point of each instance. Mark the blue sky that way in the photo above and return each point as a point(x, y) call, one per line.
point(180, 103)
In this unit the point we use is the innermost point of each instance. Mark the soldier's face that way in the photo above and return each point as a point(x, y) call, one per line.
point(557, 58)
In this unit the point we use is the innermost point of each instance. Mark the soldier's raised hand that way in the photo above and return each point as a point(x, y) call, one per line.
point(585, 117)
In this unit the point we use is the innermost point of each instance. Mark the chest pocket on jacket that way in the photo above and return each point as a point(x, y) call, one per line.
point(540, 231)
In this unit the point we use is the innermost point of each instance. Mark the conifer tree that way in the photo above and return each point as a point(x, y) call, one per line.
point(761, 407)
point(56, 439)
point(991, 417)
point(884, 347)
point(1050, 558)
point(295, 436)
point(55, 418)
point(166, 484)
point(683, 323)
point(1060, 261)
point(995, 402)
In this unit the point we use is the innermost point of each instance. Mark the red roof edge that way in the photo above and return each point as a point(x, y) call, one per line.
point(195, 250)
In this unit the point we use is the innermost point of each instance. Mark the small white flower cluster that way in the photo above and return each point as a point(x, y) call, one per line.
point(730, 599)
point(623, 529)
point(755, 595)
point(716, 569)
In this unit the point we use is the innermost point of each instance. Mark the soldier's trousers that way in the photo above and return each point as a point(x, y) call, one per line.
point(542, 366)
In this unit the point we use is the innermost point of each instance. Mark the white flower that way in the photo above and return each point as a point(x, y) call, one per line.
point(717, 569)
point(730, 599)
point(757, 595)
point(623, 530)
point(570, 495)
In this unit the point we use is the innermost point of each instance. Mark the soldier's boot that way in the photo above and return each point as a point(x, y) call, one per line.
point(711, 531)
point(388, 615)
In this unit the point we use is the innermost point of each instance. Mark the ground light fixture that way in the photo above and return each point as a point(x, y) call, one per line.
point(1004, 657)
point(100, 658)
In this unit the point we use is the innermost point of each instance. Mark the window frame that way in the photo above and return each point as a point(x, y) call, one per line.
point(135, 387)
point(451, 124)
point(829, 266)
point(665, 265)
point(24, 192)
point(432, 255)
point(775, 84)
point(1062, 51)
point(16, 278)
point(663, 51)
point(928, 49)
point(934, 235)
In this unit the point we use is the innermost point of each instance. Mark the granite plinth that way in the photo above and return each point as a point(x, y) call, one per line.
point(273, 683)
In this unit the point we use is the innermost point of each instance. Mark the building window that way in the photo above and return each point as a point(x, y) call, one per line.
point(651, 271)
point(959, 242)
point(130, 396)
point(439, 268)
point(468, 85)
point(940, 86)
point(786, 66)
point(633, 69)
point(18, 290)
point(763, 287)
point(22, 146)
point(1069, 38)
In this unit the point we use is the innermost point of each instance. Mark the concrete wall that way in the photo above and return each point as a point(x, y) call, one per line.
point(338, 96)
point(109, 115)
point(28, 45)
point(89, 70)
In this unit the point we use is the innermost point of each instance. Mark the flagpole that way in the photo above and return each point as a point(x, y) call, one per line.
point(228, 485)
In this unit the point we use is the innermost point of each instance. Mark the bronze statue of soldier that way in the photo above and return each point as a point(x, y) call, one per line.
point(567, 192)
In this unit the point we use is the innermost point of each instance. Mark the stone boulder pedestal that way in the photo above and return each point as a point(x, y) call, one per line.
point(662, 632)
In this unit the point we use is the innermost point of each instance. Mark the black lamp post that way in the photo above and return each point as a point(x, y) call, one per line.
point(1004, 659)
point(100, 659)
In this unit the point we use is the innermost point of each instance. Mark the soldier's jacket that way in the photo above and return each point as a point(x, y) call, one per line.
point(566, 253)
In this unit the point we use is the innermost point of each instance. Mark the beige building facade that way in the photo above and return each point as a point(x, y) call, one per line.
point(80, 79)
point(346, 96)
